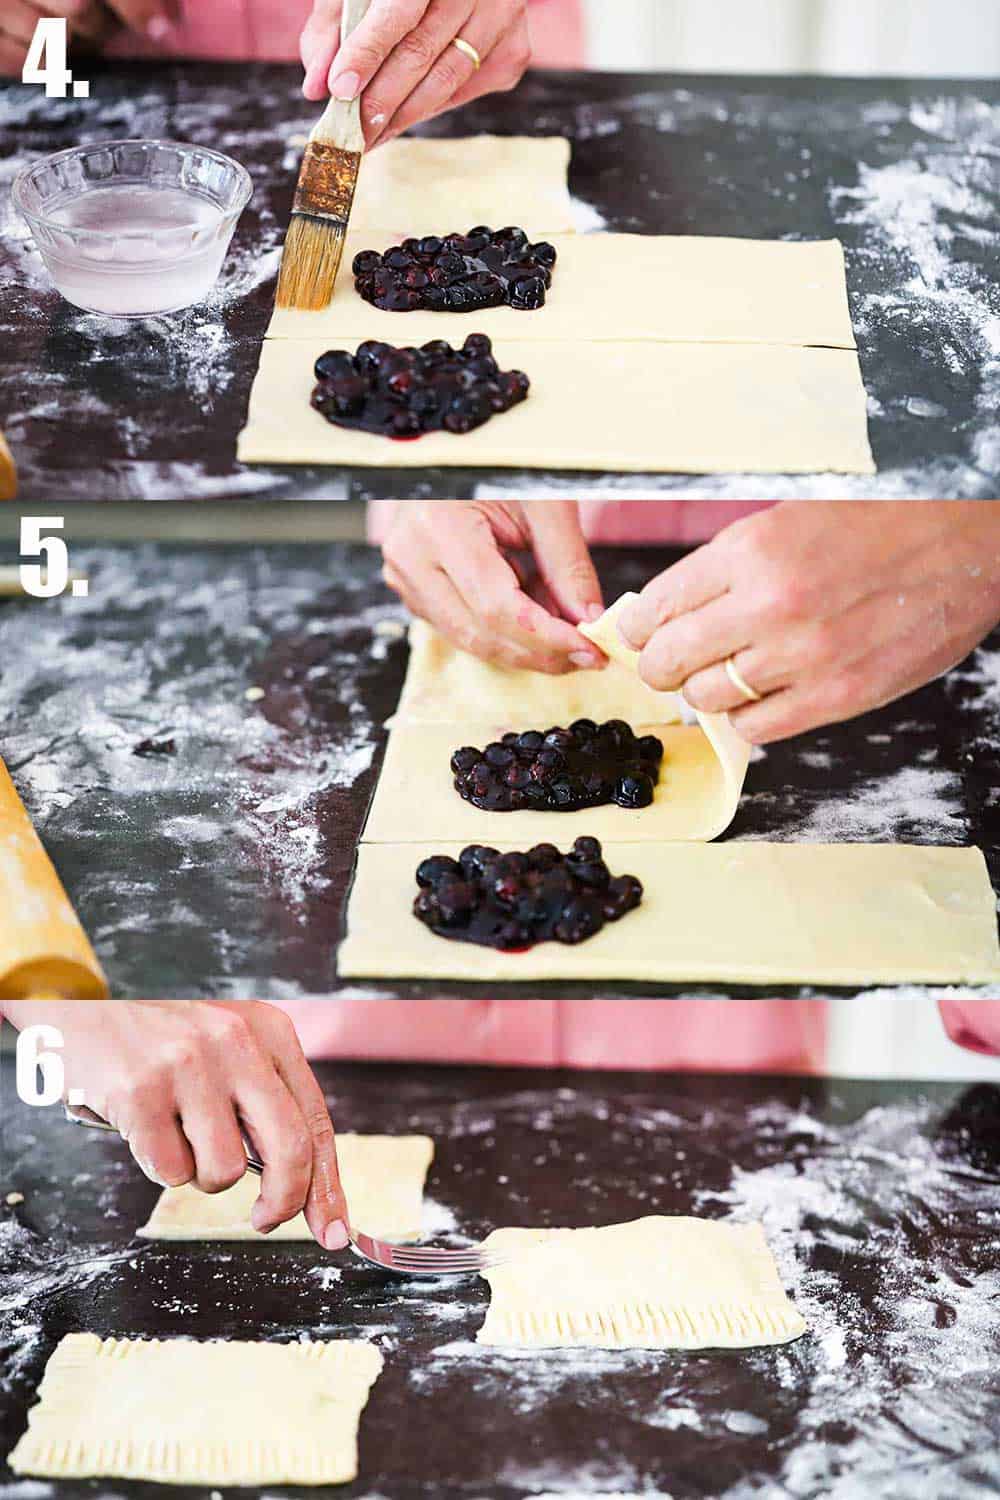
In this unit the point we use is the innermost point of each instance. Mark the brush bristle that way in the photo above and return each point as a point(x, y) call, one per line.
point(310, 262)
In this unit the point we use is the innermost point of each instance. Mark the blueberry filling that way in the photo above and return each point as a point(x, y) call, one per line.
point(458, 272)
point(513, 901)
point(403, 393)
point(560, 770)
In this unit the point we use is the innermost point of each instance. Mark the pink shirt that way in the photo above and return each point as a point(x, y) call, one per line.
point(268, 30)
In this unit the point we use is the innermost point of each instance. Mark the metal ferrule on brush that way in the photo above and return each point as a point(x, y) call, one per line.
point(327, 181)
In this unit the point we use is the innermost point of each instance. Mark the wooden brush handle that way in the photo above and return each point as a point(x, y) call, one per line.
point(340, 123)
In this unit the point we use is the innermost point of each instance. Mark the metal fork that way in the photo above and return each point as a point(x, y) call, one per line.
point(401, 1260)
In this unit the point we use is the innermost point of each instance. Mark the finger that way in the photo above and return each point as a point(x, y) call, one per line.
point(368, 46)
point(424, 52)
point(152, 18)
point(431, 596)
point(712, 691)
point(19, 20)
point(162, 1151)
point(452, 70)
point(491, 590)
point(321, 32)
point(694, 581)
point(564, 559)
point(502, 70)
point(12, 55)
point(93, 25)
point(209, 1120)
point(326, 1209)
point(692, 641)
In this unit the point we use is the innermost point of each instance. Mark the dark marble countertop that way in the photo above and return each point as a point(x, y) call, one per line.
point(907, 174)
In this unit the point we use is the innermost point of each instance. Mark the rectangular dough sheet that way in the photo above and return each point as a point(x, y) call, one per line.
point(417, 186)
point(416, 802)
point(218, 1413)
point(656, 1283)
point(603, 407)
point(382, 1175)
point(617, 288)
point(741, 913)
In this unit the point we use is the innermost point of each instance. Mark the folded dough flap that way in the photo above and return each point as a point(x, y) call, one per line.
point(732, 751)
point(44, 951)
point(448, 687)
point(657, 1282)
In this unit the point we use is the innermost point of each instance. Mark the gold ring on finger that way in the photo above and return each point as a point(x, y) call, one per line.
point(469, 50)
point(739, 682)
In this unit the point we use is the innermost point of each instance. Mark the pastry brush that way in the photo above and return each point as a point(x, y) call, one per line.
point(327, 180)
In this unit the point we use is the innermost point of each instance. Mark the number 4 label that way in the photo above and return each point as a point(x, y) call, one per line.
point(46, 61)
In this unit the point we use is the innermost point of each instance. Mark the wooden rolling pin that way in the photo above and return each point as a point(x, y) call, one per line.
point(44, 952)
point(8, 472)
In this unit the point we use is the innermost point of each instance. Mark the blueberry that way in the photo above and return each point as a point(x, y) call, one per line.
point(513, 935)
point(583, 729)
point(437, 868)
point(456, 901)
point(334, 364)
point(621, 895)
point(517, 777)
point(580, 919)
point(429, 246)
point(507, 889)
point(365, 262)
point(498, 755)
point(464, 759)
point(477, 345)
point(513, 864)
point(558, 739)
point(544, 856)
point(585, 848)
point(634, 791)
point(594, 874)
point(475, 858)
point(650, 749)
point(529, 743)
point(544, 253)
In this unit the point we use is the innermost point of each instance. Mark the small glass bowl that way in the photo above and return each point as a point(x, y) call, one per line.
point(133, 228)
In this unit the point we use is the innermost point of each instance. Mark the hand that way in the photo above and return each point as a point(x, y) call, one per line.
point(87, 22)
point(402, 60)
point(455, 564)
point(178, 1078)
point(827, 609)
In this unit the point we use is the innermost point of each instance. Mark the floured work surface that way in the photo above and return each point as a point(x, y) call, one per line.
point(652, 354)
point(215, 1413)
point(382, 1177)
point(754, 913)
point(879, 1205)
point(657, 1283)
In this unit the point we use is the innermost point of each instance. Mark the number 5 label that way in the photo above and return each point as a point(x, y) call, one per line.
point(47, 582)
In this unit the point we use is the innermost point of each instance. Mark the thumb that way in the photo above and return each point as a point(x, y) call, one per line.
point(563, 558)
